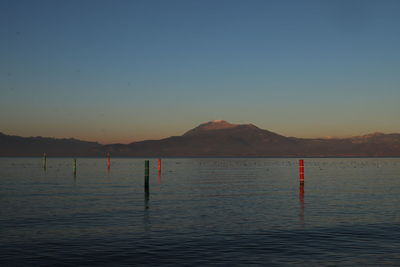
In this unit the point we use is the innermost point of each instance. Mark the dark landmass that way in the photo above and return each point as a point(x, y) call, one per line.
point(11, 145)
point(216, 138)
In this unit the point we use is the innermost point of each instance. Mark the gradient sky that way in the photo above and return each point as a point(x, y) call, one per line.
point(122, 71)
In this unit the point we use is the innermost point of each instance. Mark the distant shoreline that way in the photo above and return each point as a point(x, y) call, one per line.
point(210, 157)
point(218, 139)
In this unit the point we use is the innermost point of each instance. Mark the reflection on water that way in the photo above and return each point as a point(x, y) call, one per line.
point(74, 179)
point(301, 201)
point(108, 172)
point(146, 222)
point(210, 211)
point(146, 199)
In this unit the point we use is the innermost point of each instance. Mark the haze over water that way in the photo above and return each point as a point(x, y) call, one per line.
point(200, 211)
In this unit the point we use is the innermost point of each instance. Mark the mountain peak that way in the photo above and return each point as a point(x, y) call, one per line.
point(210, 126)
point(217, 124)
point(367, 136)
point(374, 134)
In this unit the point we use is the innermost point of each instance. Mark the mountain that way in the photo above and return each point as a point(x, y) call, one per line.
point(221, 138)
point(214, 138)
point(211, 125)
point(34, 146)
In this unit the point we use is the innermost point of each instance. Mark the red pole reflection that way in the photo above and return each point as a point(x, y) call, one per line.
point(301, 170)
point(301, 201)
point(159, 178)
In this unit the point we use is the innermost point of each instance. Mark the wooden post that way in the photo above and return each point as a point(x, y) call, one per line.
point(108, 160)
point(159, 165)
point(44, 161)
point(74, 166)
point(146, 176)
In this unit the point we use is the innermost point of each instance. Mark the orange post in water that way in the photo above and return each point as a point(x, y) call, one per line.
point(301, 170)
point(159, 165)
point(108, 160)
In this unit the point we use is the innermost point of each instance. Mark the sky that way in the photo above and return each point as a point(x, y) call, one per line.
point(124, 71)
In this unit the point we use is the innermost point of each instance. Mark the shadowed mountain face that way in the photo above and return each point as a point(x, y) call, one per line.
point(215, 138)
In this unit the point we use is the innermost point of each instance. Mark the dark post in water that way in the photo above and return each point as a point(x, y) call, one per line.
point(159, 165)
point(44, 161)
point(74, 166)
point(146, 176)
point(301, 169)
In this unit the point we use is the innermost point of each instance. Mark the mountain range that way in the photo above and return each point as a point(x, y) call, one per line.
point(214, 138)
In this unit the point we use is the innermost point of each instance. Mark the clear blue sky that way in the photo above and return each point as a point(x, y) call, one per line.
point(120, 71)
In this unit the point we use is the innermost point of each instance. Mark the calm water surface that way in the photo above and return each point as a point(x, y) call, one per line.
point(204, 211)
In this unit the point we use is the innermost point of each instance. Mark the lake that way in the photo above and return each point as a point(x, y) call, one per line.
point(200, 211)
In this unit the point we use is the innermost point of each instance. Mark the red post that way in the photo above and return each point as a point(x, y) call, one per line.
point(301, 169)
point(159, 165)
point(108, 160)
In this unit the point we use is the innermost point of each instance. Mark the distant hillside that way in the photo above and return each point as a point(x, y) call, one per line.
point(214, 138)
point(35, 146)
point(220, 138)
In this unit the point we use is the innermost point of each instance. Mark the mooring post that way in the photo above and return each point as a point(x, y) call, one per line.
point(159, 165)
point(301, 170)
point(44, 161)
point(108, 160)
point(146, 176)
point(74, 166)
